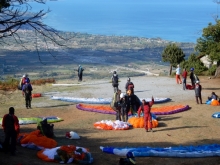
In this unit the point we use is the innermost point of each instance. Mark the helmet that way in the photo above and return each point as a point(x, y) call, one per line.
point(114, 72)
point(128, 79)
point(122, 95)
point(23, 75)
point(191, 69)
point(197, 81)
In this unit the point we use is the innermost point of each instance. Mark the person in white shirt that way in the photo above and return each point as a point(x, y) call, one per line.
point(178, 73)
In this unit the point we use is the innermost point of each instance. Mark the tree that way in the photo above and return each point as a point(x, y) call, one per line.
point(194, 62)
point(173, 54)
point(16, 15)
point(209, 43)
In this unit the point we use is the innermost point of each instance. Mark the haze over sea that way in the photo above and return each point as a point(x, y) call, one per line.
point(173, 20)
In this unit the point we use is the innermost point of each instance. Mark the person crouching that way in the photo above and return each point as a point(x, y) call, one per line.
point(146, 108)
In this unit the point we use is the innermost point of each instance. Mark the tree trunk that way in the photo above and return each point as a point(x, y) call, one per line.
point(217, 72)
point(171, 69)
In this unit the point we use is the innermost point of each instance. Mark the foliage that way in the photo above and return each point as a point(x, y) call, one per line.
point(194, 62)
point(173, 54)
point(12, 84)
point(9, 84)
point(212, 70)
point(209, 43)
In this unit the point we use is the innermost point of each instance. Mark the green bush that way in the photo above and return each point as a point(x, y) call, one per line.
point(212, 70)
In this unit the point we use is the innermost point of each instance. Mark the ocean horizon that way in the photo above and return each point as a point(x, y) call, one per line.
point(172, 20)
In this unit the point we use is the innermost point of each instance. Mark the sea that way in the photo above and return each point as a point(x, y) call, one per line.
point(172, 20)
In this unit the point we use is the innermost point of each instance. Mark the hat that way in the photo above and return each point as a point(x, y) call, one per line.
point(191, 69)
point(24, 75)
point(197, 81)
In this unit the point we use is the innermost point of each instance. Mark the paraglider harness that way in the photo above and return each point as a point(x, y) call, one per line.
point(46, 129)
point(129, 160)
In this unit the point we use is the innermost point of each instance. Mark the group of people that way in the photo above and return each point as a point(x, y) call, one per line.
point(123, 103)
point(193, 77)
point(195, 83)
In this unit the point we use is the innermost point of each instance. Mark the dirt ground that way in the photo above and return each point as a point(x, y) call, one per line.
point(192, 127)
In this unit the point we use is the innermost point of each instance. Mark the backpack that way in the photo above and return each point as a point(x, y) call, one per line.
point(115, 79)
point(46, 129)
point(27, 89)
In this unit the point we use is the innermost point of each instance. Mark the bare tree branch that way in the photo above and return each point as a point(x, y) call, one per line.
point(16, 15)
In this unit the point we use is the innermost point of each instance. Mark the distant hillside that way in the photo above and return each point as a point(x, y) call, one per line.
point(86, 49)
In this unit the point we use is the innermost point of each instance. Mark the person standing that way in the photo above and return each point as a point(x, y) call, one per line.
point(129, 85)
point(198, 91)
point(80, 72)
point(184, 78)
point(132, 102)
point(178, 72)
point(146, 108)
point(27, 93)
point(115, 104)
point(191, 76)
point(115, 81)
point(124, 112)
point(10, 124)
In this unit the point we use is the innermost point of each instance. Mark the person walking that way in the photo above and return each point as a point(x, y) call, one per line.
point(80, 72)
point(115, 81)
point(184, 75)
point(198, 91)
point(10, 124)
point(27, 93)
point(178, 72)
point(146, 108)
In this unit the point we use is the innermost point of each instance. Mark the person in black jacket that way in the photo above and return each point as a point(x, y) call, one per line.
point(129, 85)
point(115, 81)
point(80, 72)
point(123, 104)
point(132, 101)
point(27, 93)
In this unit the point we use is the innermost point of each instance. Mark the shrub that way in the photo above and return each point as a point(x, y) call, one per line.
point(212, 70)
